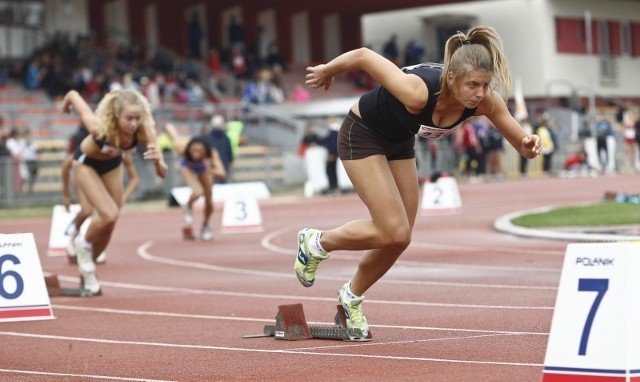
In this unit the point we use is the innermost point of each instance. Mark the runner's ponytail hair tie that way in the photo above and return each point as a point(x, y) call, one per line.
point(467, 42)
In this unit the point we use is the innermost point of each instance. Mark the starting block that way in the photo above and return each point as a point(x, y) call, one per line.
point(55, 290)
point(187, 233)
point(291, 325)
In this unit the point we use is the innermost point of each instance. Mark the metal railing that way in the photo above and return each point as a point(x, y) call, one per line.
point(254, 163)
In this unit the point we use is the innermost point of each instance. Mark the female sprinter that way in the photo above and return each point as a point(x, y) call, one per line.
point(200, 165)
point(85, 207)
point(121, 121)
point(376, 145)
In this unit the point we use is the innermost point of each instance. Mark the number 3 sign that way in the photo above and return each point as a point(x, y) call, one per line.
point(595, 331)
point(241, 214)
point(23, 292)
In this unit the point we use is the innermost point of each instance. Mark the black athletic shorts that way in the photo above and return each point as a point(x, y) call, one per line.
point(356, 141)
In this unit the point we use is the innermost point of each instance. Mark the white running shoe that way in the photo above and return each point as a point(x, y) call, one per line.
point(206, 234)
point(187, 215)
point(84, 256)
point(91, 284)
point(102, 258)
point(71, 252)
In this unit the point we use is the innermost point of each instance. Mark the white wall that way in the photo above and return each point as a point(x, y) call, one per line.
point(57, 15)
point(152, 32)
point(117, 21)
point(18, 42)
point(528, 30)
point(331, 34)
point(267, 19)
point(69, 16)
point(301, 39)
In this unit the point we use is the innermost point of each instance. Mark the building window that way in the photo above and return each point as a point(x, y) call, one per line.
point(635, 39)
point(625, 39)
point(28, 13)
point(604, 45)
point(570, 35)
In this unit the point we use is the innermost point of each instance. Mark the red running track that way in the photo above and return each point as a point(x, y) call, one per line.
point(464, 303)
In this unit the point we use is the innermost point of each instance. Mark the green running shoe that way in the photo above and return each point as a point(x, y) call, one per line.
point(306, 261)
point(357, 326)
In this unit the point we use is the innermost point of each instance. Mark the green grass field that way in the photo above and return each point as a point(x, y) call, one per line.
point(599, 214)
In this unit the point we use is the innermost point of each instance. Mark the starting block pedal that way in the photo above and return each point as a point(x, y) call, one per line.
point(187, 233)
point(291, 325)
point(54, 289)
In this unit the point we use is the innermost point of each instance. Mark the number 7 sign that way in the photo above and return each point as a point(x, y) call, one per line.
point(595, 330)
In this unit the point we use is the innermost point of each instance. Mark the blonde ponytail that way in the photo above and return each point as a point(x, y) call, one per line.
point(479, 48)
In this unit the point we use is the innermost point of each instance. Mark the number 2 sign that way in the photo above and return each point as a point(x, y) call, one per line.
point(23, 292)
point(595, 330)
point(440, 197)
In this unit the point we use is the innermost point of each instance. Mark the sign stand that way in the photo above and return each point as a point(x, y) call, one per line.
point(595, 329)
point(23, 292)
point(241, 214)
point(440, 196)
point(62, 222)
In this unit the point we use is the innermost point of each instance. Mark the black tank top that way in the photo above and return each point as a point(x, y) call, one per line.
point(106, 148)
point(387, 117)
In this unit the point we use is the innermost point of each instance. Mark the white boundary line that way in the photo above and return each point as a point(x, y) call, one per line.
point(504, 224)
point(270, 321)
point(143, 253)
point(34, 372)
point(266, 243)
point(254, 350)
point(262, 296)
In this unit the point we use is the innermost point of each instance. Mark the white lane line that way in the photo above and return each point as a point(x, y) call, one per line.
point(490, 250)
point(144, 253)
point(267, 239)
point(264, 351)
point(364, 344)
point(83, 376)
point(271, 321)
point(263, 296)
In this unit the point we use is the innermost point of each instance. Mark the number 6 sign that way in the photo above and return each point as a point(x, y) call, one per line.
point(23, 292)
point(595, 330)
